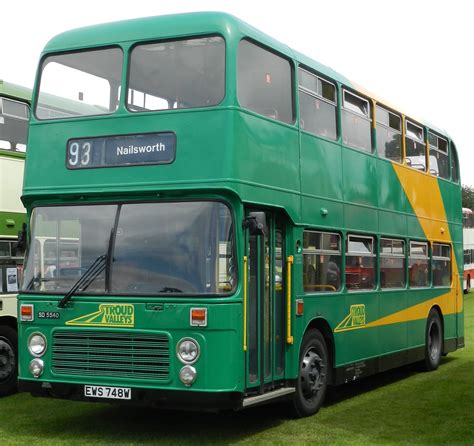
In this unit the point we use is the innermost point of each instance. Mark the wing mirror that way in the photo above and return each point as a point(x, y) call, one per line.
point(256, 223)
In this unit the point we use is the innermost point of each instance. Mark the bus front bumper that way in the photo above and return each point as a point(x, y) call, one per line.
point(169, 399)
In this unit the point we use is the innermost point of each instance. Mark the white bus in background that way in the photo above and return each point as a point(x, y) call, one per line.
point(468, 243)
point(14, 116)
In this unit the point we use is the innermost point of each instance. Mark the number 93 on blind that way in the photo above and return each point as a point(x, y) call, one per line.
point(79, 154)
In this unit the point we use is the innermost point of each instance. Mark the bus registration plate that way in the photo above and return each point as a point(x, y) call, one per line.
point(116, 393)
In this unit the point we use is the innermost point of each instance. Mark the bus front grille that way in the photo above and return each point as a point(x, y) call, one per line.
point(114, 354)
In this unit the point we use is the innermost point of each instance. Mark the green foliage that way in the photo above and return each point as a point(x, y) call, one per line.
point(402, 406)
point(468, 197)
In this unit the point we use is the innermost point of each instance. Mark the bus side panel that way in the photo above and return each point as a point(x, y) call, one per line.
point(266, 162)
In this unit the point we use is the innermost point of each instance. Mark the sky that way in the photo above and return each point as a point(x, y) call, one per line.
point(417, 55)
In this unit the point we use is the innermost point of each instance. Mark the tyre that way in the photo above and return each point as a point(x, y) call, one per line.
point(8, 360)
point(313, 376)
point(433, 341)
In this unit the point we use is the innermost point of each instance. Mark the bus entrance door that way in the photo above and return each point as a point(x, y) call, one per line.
point(265, 353)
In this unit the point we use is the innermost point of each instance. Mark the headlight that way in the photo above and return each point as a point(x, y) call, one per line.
point(37, 344)
point(187, 375)
point(187, 351)
point(36, 367)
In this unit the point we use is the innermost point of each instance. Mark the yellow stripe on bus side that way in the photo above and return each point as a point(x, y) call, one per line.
point(424, 195)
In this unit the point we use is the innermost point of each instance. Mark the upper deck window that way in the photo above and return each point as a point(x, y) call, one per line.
point(264, 82)
point(177, 74)
point(454, 164)
point(389, 134)
point(81, 83)
point(356, 121)
point(14, 117)
point(318, 105)
point(415, 146)
point(439, 160)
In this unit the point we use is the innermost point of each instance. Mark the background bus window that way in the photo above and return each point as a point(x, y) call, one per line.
point(441, 265)
point(360, 263)
point(439, 160)
point(318, 105)
point(392, 263)
point(321, 262)
point(10, 266)
point(418, 267)
point(415, 146)
point(389, 135)
point(178, 74)
point(14, 117)
point(356, 121)
point(264, 82)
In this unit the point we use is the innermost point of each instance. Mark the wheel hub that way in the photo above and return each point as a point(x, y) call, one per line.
point(434, 342)
point(7, 360)
point(312, 374)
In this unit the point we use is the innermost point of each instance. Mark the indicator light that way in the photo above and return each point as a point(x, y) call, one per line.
point(198, 317)
point(299, 307)
point(26, 312)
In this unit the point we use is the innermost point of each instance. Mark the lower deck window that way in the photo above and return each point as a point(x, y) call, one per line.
point(392, 263)
point(441, 265)
point(360, 263)
point(418, 266)
point(321, 262)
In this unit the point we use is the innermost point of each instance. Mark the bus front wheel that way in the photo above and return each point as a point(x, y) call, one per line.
point(433, 341)
point(8, 360)
point(313, 375)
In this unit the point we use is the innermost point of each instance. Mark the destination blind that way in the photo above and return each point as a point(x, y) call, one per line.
point(124, 150)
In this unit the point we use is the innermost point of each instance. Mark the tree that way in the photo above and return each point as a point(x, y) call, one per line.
point(468, 197)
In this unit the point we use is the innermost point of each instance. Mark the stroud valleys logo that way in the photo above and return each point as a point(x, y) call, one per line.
point(355, 319)
point(109, 315)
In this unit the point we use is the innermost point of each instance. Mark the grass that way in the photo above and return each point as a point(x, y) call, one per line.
point(397, 407)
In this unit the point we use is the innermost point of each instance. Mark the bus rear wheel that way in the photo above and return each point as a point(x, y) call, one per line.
point(313, 375)
point(8, 360)
point(434, 341)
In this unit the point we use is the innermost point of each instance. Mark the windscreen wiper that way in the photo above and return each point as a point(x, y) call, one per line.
point(86, 279)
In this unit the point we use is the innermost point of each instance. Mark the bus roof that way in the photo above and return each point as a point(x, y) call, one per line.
point(196, 23)
point(14, 91)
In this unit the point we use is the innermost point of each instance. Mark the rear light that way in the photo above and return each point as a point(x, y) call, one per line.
point(198, 317)
point(26, 313)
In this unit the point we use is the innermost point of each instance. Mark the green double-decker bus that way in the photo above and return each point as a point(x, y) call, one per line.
point(229, 222)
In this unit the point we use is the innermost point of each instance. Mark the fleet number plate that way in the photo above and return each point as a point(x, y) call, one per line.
point(116, 393)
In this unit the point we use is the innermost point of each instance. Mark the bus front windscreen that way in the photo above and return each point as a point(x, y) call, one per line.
point(182, 248)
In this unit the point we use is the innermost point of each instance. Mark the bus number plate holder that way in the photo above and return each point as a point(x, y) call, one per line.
point(115, 393)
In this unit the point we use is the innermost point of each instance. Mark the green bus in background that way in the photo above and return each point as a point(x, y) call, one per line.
point(230, 223)
point(14, 115)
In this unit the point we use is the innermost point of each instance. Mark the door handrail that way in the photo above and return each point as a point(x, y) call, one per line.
point(245, 303)
point(289, 263)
